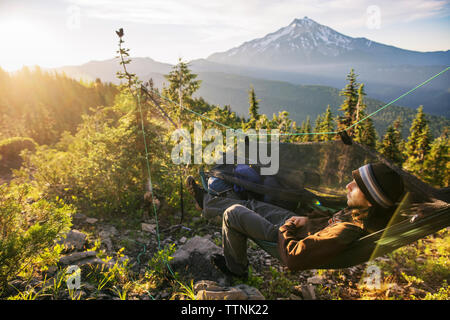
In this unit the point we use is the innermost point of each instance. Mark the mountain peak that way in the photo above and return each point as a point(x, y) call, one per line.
point(306, 42)
point(303, 22)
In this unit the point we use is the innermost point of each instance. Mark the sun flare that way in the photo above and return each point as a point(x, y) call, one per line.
point(22, 43)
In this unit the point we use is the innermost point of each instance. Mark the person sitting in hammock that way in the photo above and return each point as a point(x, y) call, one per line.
point(304, 242)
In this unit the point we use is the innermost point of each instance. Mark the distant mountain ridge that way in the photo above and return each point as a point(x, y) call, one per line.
point(221, 88)
point(273, 65)
point(306, 42)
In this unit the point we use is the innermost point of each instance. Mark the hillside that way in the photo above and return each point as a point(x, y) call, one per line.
point(299, 100)
point(41, 105)
point(226, 88)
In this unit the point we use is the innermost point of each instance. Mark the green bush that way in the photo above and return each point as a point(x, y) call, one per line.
point(98, 169)
point(27, 228)
point(10, 151)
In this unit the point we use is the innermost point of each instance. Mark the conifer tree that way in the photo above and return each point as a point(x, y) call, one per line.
point(253, 109)
point(364, 131)
point(306, 128)
point(284, 124)
point(318, 128)
point(418, 143)
point(348, 107)
point(182, 83)
point(358, 129)
point(392, 147)
point(436, 166)
point(254, 104)
point(327, 124)
point(324, 123)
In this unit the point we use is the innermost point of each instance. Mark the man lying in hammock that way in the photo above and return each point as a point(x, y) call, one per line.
point(303, 242)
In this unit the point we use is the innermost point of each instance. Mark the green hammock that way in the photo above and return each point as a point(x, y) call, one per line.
point(314, 175)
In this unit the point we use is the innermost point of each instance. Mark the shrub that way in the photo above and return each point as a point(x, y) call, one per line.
point(97, 169)
point(10, 151)
point(27, 228)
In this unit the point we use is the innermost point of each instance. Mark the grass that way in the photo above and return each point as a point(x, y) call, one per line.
point(419, 271)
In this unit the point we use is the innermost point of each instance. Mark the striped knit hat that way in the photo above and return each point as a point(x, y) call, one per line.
point(381, 185)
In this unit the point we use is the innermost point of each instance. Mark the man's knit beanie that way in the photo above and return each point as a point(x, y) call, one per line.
point(381, 185)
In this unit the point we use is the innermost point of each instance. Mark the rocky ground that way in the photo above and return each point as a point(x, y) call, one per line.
point(95, 243)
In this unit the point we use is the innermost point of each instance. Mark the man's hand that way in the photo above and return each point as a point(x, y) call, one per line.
point(297, 221)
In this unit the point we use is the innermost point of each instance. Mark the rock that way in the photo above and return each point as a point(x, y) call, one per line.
point(147, 227)
point(183, 240)
point(207, 285)
point(106, 234)
point(108, 231)
point(308, 292)
point(76, 257)
point(226, 294)
point(91, 220)
point(315, 280)
point(103, 296)
point(211, 290)
point(79, 216)
point(252, 293)
point(108, 243)
point(294, 297)
point(88, 287)
point(193, 259)
point(88, 258)
point(73, 240)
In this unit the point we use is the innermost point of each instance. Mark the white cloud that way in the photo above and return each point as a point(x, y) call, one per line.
point(258, 15)
point(200, 27)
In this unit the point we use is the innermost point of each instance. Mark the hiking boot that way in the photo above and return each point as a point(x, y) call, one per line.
point(197, 192)
point(219, 262)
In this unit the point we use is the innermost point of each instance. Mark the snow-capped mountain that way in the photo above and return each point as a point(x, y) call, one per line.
point(306, 42)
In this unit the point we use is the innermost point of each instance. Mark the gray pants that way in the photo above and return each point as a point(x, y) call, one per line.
point(242, 219)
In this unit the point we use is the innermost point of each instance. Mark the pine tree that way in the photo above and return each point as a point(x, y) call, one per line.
point(360, 113)
point(182, 83)
point(364, 131)
point(284, 124)
point(254, 104)
point(306, 128)
point(327, 124)
point(253, 109)
point(324, 123)
point(436, 166)
point(318, 128)
point(392, 147)
point(348, 107)
point(418, 143)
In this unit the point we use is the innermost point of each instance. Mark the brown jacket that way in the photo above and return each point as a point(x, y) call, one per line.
point(319, 240)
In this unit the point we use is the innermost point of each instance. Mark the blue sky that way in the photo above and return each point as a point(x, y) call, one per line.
point(54, 33)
